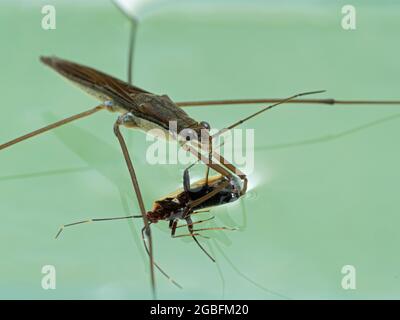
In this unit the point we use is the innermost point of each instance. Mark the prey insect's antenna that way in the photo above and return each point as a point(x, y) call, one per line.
point(52, 126)
point(92, 220)
point(184, 104)
point(120, 218)
point(263, 110)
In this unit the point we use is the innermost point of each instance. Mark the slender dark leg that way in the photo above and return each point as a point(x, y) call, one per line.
point(197, 222)
point(186, 187)
point(210, 155)
point(217, 167)
point(173, 228)
point(225, 165)
point(328, 102)
point(93, 220)
point(222, 168)
point(132, 36)
point(127, 119)
point(200, 211)
point(215, 228)
point(52, 126)
point(190, 228)
point(173, 225)
point(155, 263)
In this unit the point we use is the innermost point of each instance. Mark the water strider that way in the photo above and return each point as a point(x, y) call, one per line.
point(144, 110)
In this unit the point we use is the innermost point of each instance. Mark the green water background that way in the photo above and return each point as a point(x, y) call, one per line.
point(325, 189)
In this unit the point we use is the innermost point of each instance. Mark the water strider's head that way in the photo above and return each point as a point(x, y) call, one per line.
point(199, 132)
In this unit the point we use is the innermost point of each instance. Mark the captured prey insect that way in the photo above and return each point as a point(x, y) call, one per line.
point(182, 205)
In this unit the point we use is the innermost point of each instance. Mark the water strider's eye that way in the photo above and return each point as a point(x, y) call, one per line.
point(205, 125)
point(189, 134)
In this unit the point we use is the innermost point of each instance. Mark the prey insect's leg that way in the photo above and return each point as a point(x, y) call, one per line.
point(52, 126)
point(204, 229)
point(200, 211)
point(174, 225)
point(155, 263)
point(196, 222)
point(190, 228)
point(128, 120)
point(93, 220)
point(215, 228)
point(190, 234)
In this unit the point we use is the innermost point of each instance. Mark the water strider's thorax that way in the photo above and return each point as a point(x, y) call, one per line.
point(152, 111)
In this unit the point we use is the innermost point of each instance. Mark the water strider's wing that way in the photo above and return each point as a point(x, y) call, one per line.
point(97, 83)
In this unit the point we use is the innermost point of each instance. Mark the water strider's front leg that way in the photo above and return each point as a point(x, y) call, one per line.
point(223, 167)
point(128, 120)
point(187, 188)
point(217, 167)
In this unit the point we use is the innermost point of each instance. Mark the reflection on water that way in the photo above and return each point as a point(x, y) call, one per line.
point(330, 137)
point(43, 173)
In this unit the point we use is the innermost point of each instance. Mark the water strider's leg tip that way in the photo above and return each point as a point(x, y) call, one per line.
point(59, 232)
point(46, 60)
